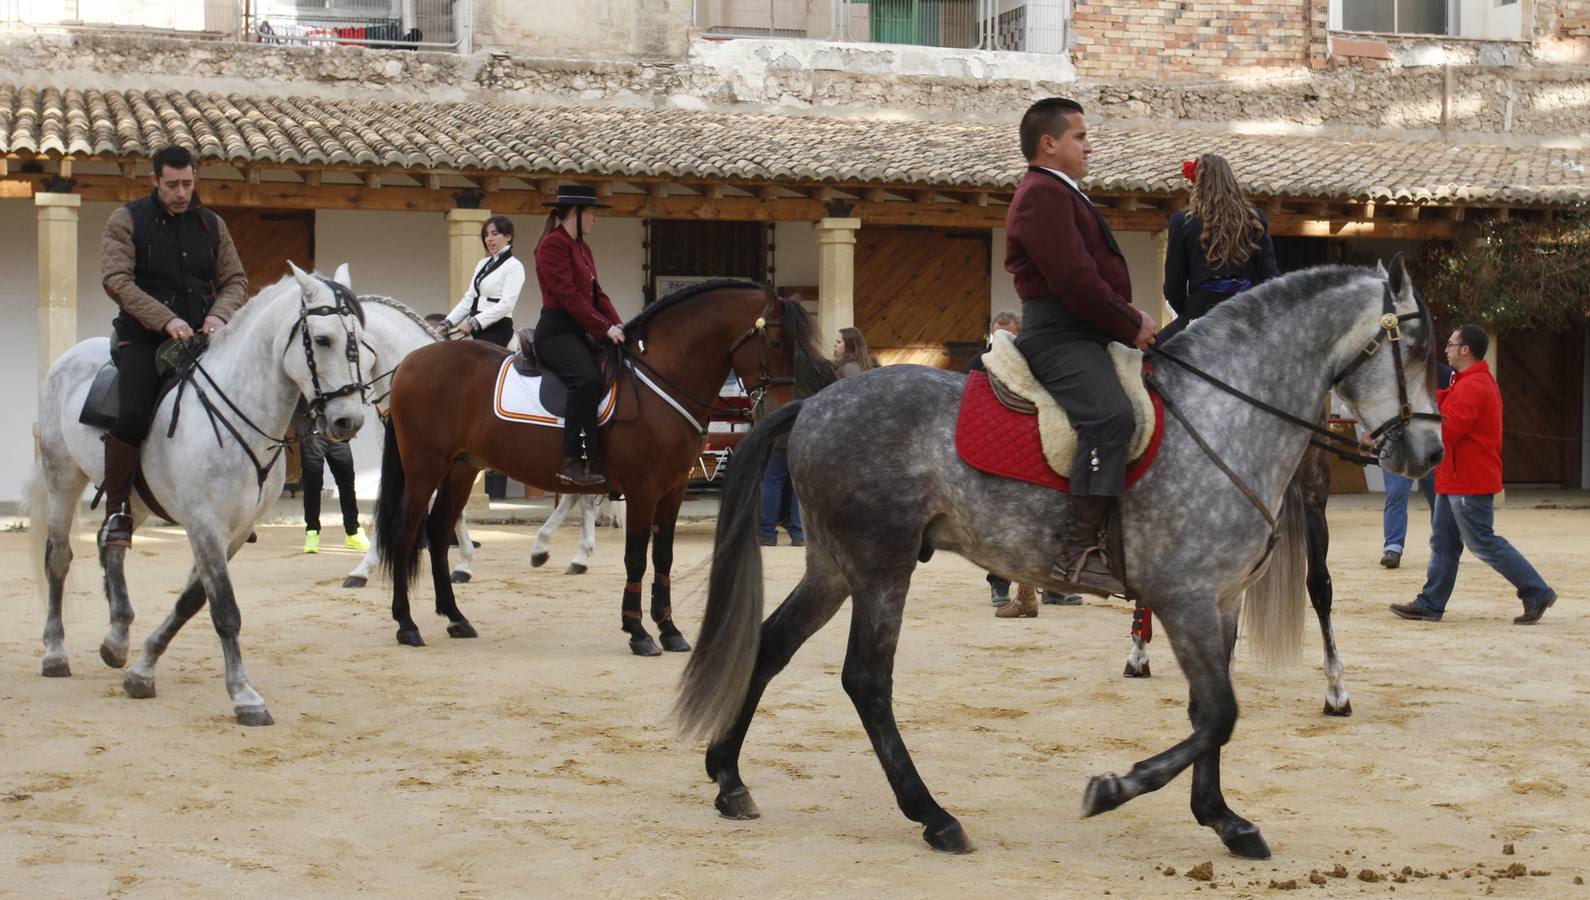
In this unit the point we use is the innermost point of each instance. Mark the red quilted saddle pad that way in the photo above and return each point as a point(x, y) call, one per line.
point(992, 439)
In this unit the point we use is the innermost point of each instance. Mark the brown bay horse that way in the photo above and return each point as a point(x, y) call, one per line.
point(677, 355)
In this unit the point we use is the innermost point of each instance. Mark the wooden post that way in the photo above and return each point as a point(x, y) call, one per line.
point(836, 276)
point(57, 312)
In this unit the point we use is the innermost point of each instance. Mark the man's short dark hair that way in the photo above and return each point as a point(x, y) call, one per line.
point(1051, 116)
point(172, 157)
point(1475, 338)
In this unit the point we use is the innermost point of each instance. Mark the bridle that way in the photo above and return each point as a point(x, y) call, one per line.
point(755, 391)
point(345, 308)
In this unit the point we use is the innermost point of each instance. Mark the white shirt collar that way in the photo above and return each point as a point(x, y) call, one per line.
point(1067, 179)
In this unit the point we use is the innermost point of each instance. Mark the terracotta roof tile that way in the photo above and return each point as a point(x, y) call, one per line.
point(669, 143)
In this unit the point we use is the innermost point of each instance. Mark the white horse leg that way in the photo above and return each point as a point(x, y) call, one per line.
point(139, 682)
point(541, 551)
point(53, 508)
point(589, 504)
point(210, 558)
point(1137, 661)
point(360, 576)
point(466, 554)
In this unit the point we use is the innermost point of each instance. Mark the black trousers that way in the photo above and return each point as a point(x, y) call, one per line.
point(136, 385)
point(568, 356)
point(498, 332)
point(1078, 372)
point(339, 456)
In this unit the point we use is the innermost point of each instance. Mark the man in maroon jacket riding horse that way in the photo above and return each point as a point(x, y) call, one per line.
point(1076, 298)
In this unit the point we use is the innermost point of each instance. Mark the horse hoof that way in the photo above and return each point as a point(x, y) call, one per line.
point(355, 581)
point(644, 646)
point(675, 643)
point(950, 838)
point(1246, 842)
point(1102, 794)
point(254, 716)
point(737, 804)
point(410, 637)
point(460, 578)
point(1142, 671)
point(462, 630)
point(115, 657)
point(576, 569)
point(1345, 711)
point(138, 687)
point(57, 667)
point(537, 560)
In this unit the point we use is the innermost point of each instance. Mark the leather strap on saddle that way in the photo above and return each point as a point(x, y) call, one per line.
point(525, 361)
point(1011, 400)
point(148, 497)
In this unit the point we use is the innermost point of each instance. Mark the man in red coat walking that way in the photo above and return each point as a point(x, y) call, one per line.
point(1466, 483)
point(1075, 298)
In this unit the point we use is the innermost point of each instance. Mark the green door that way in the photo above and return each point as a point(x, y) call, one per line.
point(905, 21)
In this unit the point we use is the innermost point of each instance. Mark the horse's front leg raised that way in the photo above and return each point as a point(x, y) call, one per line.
point(541, 550)
point(1198, 635)
point(637, 533)
point(662, 558)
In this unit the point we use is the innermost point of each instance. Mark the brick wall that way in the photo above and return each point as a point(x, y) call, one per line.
point(1193, 39)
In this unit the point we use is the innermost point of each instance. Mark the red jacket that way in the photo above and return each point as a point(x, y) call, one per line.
point(1471, 432)
point(1056, 245)
point(567, 273)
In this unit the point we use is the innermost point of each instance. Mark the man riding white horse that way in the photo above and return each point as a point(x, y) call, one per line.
point(170, 265)
point(1076, 298)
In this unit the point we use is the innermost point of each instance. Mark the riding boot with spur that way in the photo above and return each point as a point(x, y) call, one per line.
point(584, 469)
point(1083, 561)
point(121, 464)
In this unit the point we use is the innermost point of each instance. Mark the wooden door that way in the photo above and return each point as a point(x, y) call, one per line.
point(1541, 375)
point(267, 239)
point(919, 290)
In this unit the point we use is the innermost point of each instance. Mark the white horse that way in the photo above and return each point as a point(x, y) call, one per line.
point(391, 332)
point(212, 460)
point(589, 504)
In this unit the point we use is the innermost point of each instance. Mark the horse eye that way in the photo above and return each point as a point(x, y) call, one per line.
point(322, 341)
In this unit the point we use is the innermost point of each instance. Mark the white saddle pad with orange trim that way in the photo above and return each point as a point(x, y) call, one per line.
point(518, 399)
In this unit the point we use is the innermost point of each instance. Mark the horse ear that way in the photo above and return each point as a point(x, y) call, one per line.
point(305, 280)
point(1401, 284)
point(342, 277)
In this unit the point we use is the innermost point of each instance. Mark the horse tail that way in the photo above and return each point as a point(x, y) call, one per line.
point(35, 504)
point(390, 529)
point(1274, 608)
point(713, 686)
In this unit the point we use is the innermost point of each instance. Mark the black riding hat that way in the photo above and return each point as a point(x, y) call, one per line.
point(577, 195)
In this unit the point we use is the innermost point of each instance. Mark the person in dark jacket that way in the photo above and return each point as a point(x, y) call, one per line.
point(1218, 247)
point(1466, 483)
point(576, 315)
point(170, 265)
point(1076, 298)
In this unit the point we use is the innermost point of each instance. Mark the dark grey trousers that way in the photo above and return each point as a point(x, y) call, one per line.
point(1079, 374)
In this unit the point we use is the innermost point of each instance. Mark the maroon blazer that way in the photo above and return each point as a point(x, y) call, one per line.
point(567, 273)
point(1057, 245)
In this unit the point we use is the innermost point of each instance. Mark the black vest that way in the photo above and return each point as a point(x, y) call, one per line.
point(174, 262)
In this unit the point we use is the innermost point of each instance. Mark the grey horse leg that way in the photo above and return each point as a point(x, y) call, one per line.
point(1320, 594)
point(210, 558)
point(1198, 636)
point(113, 649)
point(139, 682)
point(869, 680)
point(813, 602)
point(1209, 807)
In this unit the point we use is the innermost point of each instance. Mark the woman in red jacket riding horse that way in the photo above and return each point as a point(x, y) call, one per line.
point(576, 315)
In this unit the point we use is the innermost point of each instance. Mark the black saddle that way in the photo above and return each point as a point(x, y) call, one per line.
point(554, 393)
point(103, 403)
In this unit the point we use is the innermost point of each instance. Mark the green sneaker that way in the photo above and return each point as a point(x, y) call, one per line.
point(311, 542)
point(357, 541)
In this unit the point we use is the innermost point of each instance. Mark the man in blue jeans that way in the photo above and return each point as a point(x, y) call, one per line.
point(1394, 522)
point(1466, 484)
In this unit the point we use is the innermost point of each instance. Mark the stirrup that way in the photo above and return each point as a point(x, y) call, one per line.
point(1096, 580)
point(116, 534)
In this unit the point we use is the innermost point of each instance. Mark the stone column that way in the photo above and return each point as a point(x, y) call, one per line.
point(463, 251)
point(836, 276)
point(57, 317)
point(1161, 250)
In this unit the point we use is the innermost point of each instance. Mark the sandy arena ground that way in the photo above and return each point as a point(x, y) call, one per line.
point(539, 760)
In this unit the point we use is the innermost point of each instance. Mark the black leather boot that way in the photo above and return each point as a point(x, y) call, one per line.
point(581, 473)
point(121, 464)
point(1083, 561)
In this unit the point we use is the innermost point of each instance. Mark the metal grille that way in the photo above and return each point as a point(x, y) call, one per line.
point(767, 18)
point(1032, 26)
point(383, 24)
point(216, 18)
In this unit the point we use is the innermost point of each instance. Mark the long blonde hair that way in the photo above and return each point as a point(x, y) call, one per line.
point(1231, 226)
point(855, 349)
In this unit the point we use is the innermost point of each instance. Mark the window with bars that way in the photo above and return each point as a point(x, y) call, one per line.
point(1491, 19)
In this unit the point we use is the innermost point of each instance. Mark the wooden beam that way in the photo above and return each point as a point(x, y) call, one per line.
point(433, 181)
point(312, 178)
point(1272, 208)
point(1456, 213)
point(250, 174)
point(980, 198)
point(65, 167)
point(1503, 213)
point(712, 191)
point(657, 190)
point(767, 192)
point(1366, 210)
point(372, 180)
point(491, 184)
point(548, 186)
point(875, 195)
point(823, 195)
point(5, 167)
point(925, 196)
point(1126, 204)
point(127, 170)
point(1408, 212)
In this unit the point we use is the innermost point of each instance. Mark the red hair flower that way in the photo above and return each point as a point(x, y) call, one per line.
point(1189, 170)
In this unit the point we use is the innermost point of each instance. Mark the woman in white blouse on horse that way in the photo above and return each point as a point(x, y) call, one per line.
point(486, 312)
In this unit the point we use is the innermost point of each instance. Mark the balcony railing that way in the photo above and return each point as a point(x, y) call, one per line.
point(1032, 26)
point(220, 19)
point(383, 24)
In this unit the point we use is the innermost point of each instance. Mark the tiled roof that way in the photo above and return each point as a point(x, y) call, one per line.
point(680, 144)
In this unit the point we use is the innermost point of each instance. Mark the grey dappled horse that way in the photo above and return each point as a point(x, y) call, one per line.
point(1193, 542)
point(216, 473)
